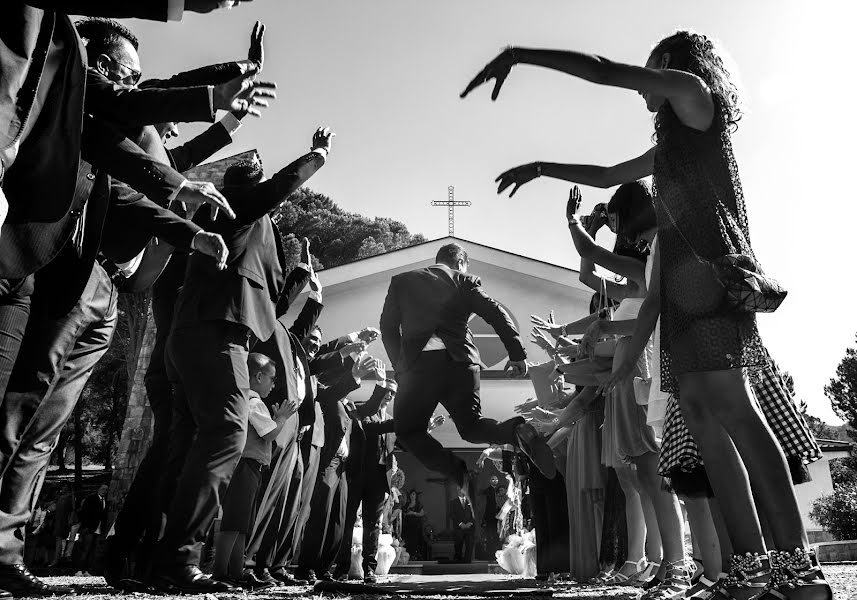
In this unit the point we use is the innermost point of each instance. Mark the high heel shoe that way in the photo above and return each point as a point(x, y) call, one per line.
point(620, 578)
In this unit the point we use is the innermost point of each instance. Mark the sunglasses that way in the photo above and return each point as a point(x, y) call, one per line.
point(133, 78)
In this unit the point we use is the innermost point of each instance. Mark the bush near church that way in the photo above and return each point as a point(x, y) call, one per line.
point(837, 512)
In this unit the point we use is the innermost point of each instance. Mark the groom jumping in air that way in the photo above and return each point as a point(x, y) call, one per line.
point(425, 332)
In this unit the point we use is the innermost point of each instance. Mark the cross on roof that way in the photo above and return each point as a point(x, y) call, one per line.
point(451, 203)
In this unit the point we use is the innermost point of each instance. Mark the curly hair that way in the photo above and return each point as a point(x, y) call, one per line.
point(103, 35)
point(696, 53)
point(242, 173)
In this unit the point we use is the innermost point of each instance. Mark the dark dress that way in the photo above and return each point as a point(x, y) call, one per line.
point(698, 193)
point(412, 532)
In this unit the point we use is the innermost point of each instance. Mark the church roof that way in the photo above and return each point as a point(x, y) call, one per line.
point(401, 259)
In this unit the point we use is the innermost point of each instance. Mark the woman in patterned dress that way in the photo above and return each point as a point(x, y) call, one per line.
point(706, 347)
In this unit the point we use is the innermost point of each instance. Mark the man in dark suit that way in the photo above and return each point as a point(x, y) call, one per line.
point(218, 317)
point(370, 467)
point(424, 329)
point(489, 518)
point(326, 523)
point(463, 524)
point(93, 522)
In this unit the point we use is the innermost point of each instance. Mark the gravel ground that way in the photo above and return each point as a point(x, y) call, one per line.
point(842, 577)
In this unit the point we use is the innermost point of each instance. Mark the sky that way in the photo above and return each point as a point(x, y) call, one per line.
point(385, 75)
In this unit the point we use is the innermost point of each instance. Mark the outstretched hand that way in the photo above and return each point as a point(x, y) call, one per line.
point(574, 200)
point(211, 244)
point(548, 325)
point(516, 176)
point(518, 368)
point(256, 53)
point(196, 193)
point(498, 70)
point(322, 139)
point(244, 94)
point(620, 373)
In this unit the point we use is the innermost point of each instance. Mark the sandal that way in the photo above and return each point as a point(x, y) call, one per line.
point(650, 574)
point(793, 570)
point(620, 578)
point(675, 584)
point(748, 577)
point(703, 589)
point(601, 578)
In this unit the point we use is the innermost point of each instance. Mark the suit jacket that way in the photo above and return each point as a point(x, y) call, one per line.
point(439, 300)
point(372, 439)
point(49, 166)
point(461, 514)
point(93, 513)
point(247, 291)
point(337, 421)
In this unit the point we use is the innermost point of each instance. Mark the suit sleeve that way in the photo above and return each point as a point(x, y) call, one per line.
point(135, 107)
point(487, 308)
point(208, 75)
point(385, 426)
point(153, 10)
point(160, 222)
point(106, 148)
point(295, 282)
point(390, 325)
point(335, 345)
point(307, 318)
point(327, 397)
point(268, 194)
point(200, 148)
point(373, 404)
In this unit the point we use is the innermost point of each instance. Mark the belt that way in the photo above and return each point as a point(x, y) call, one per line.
point(114, 273)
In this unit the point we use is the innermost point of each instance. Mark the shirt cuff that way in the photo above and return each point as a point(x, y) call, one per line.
point(230, 123)
point(315, 296)
point(387, 385)
point(175, 10)
point(175, 194)
point(352, 337)
point(321, 152)
point(303, 266)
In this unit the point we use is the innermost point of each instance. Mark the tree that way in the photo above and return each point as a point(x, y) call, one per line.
point(819, 428)
point(842, 389)
point(336, 236)
point(837, 512)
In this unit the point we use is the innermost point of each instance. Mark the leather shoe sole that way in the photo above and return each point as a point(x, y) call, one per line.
point(537, 451)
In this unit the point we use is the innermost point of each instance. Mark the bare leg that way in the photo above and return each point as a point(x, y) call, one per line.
point(735, 443)
point(654, 546)
point(704, 535)
point(667, 509)
point(633, 516)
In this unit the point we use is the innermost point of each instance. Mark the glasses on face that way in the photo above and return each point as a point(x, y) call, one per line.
point(272, 378)
point(132, 79)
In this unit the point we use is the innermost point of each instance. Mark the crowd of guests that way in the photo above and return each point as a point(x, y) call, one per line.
point(665, 389)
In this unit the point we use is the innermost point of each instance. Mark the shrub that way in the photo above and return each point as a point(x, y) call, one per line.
point(837, 512)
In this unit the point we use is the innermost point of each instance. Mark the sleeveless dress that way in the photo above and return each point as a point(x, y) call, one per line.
point(698, 197)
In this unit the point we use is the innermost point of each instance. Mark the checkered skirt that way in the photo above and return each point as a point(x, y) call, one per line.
point(679, 453)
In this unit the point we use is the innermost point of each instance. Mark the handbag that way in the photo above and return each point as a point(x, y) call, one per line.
point(747, 287)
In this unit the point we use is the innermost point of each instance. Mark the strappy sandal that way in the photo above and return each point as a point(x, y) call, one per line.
point(748, 577)
point(704, 588)
point(698, 571)
point(620, 578)
point(793, 570)
point(649, 575)
point(601, 578)
point(675, 584)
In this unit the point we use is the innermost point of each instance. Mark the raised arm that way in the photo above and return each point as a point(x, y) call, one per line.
point(647, 318)
point(688, 94)
point(591, 175)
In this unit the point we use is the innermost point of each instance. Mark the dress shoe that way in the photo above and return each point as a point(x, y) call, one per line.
point(250, 582)
point(4, 594)
point(325, 575)
point(188, 579)
point(19, 582)
point(340, 575)
point(307, 575)
point(369, 577)
point(536, 449)
point(282, 577)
